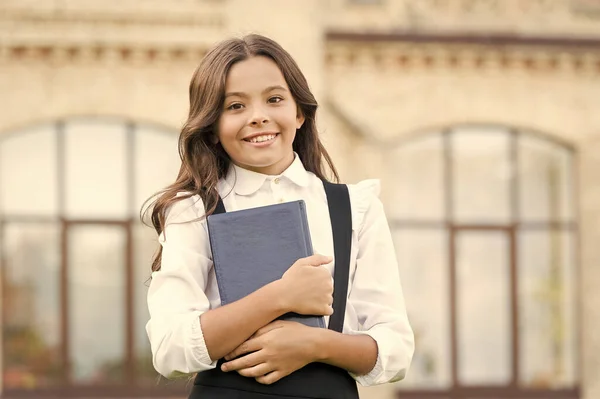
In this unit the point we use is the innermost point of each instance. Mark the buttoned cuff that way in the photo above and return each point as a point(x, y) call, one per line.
point(372, 376)
point(196, 346)
point(384, 366)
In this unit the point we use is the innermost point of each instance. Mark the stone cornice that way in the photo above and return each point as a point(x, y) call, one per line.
point(209, 13)
point(108, 31)
point(40, 17)
point(405, 51)
point(563, 42)
point(537, 17)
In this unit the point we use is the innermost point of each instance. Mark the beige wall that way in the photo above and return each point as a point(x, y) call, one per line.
point(359, 116)
point(559, 103)
point(531, 17)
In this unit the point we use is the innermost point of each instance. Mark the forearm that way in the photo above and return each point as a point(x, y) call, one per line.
point(355, 353)
point(226, 327)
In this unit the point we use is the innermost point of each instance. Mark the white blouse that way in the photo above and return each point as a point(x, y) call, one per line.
point(186, 286)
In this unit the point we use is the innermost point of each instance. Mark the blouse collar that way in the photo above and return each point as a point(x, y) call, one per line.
point(247, 182)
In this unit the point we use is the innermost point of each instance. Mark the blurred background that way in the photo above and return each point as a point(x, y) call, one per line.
point(481, 118)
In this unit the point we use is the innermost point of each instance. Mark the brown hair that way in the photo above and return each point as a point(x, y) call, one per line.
point(203, 161)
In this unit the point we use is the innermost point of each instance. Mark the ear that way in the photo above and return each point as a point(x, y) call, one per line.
point(215, 138)
point(299, 118)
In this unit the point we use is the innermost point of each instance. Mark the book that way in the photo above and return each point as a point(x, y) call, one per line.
point(254, 247)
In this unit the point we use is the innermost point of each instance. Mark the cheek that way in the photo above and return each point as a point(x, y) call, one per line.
point(289, 119)
point(227, 130)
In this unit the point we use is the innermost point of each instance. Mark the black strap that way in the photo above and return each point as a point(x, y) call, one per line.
point(220, 207)
point(340, 213)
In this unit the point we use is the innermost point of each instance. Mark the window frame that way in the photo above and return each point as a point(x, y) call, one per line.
point(511, 229)
point(130, 386)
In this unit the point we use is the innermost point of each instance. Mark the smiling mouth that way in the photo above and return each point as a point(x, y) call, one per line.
point(262, 138)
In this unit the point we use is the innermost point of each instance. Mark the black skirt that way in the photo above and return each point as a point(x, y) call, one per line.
point(315, 380)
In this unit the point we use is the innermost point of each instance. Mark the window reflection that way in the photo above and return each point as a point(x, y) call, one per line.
point(498, 176)
point(108, 169)
point(96, 170)
point(483, 308)
point(28, 173)
point(156, 163)
point(418, 174)
point(547, 301)
point(424, 268)
point(482, 174)
point(145, 244)
point(96, 264)
point(31, 306)
point(545, 182)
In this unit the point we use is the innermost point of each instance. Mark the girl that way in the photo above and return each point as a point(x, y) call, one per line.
point(251, 140)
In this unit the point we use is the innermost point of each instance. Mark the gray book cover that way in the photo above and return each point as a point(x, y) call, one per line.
point(254, 247)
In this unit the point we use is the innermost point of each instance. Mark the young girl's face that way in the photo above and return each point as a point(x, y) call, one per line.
point(259, 117)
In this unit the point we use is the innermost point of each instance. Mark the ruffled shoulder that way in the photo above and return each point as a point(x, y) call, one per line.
point(362, 195)
point(188, 212)
point(186, 209)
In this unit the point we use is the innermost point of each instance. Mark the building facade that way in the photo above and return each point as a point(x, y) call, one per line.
point(479, 116)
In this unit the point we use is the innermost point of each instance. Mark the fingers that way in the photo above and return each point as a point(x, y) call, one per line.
point(318, 260)
point(250, 345)
point(329, 311)
point(256, 371)
point(271, 377)
point(243, 362)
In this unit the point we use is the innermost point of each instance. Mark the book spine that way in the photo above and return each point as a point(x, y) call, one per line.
point(213, 248)
point(305, 228)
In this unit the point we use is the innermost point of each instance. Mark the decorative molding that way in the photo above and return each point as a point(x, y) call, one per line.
point(501, 9)
point(490, 39)
point(492, 7)
point(404, 51)
point(81, 54)
point(124, 31)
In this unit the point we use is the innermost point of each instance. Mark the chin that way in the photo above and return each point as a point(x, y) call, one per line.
point(263, 162)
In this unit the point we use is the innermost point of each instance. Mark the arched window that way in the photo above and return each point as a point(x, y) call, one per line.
point(485, 230)
point(75, 258)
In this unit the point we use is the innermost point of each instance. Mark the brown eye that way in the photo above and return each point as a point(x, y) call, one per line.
point(235, 106)
point(275, 99)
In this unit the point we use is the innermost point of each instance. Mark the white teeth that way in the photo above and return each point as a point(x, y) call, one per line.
point(260, 139)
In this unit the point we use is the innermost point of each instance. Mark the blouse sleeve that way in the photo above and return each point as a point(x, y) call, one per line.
point(375, 291)
point(176, 296)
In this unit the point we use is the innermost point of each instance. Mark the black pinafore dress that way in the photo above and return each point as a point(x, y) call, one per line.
point(315, 380)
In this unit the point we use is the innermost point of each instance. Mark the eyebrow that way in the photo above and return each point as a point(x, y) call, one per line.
point(268, 89)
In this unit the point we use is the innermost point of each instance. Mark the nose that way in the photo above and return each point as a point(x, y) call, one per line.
point(259, 116)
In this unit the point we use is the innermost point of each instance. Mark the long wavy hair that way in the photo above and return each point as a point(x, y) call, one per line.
point(203, 159)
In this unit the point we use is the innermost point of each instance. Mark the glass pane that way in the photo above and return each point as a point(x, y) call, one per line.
point(547, 305)
point(483, 308)
point(156, 162)
point(482, 175)
point(97, 303)
point(145, 245)
point(415, 188)
point(423, 261)
point(27, 155)
point(31, 306)
point(96, 170)
point(545, 180)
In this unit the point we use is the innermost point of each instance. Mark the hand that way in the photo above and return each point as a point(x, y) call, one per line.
point(309, 287)
point(274, 351)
